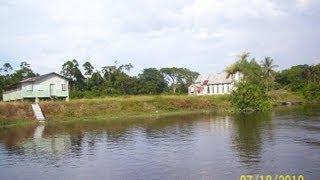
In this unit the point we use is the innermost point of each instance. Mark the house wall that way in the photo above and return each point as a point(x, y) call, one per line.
point(12, 95)
point(41, 88)
point(214, 89)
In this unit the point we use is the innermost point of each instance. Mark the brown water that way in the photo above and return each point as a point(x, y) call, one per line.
point(286, 141)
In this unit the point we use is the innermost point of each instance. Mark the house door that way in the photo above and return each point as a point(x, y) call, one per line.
point(51, 89)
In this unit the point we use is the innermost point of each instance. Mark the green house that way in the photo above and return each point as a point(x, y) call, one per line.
point(47, 86)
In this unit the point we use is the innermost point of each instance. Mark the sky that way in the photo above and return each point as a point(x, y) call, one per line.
point(202, 35)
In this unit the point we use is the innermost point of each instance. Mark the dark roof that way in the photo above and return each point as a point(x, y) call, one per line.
point(33, 79)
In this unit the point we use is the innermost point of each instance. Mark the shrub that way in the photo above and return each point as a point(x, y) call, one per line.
point(312, 91)
point(250, 97)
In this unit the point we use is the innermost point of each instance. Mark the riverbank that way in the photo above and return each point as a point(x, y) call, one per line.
point(125, 107)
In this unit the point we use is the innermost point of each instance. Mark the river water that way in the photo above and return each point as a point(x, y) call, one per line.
point(285, 141)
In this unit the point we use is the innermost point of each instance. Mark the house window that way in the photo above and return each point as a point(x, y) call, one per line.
point(222, 88)
point(192, 89)
point(63, 87)
point(208, 89)
point(30, 87)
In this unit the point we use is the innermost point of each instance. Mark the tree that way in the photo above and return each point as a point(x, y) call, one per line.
point(250, 97)
point(268, 66)
point(250, 69)
point(6, 68)
point(309, 74)
point(303, 79)
point(110, 72)
point(179, 77)
point(311, 91)
point(126, 67)
point(295, 78)
point(152, 81)
point(88, 68)
point(268, 70)
point(238, 66)
point(95, 81)
point(250, 93)
point(172, 76)
point(126, 84)
point(23, 72)
point(9, 78)
point(70, 69)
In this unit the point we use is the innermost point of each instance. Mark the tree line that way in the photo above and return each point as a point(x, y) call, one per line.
point(86, 81)
point(260, 78)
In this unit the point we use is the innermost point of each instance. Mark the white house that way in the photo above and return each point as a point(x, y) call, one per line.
point(214, 84)
point(47, 86)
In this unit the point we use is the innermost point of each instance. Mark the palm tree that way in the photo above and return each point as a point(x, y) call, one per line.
point(236, 67)
point(268, 66)
point(268, 69)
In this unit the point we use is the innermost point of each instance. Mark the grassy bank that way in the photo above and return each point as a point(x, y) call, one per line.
point(100, 109)
point(131, 107)
point(15, 114)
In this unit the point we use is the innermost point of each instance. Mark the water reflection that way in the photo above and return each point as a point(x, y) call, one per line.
point(247, 137)
point(185, 147)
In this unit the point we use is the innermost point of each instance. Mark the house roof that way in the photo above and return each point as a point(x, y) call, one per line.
point(36, 78)
point(220, 78)
point(33, 79)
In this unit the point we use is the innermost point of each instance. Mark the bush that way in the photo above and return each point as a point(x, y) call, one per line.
point(312, 91)
point(249, 97)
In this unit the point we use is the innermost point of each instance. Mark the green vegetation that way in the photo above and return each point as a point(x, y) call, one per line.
point(7, 77)
point(250, 97)
point(179, 78)
point(302, 79)
point(126, 107)
point(112, 80)
point(132, 106)
point(15, 123)
point(112, 93)
point(117, 107)
point(251, 92)
point(261, 85)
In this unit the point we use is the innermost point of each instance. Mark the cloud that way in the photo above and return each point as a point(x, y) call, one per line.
point(191, 33)
point(232, 9)
point(306, 3)
point(311, 7)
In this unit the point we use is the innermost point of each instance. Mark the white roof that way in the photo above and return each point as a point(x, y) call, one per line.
point(220, 78)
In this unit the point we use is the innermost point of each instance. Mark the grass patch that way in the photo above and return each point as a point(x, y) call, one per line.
point(131, 106)
point(15, 123)
point(279, 96)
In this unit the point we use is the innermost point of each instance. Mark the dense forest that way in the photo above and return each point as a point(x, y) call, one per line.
point(86, 81)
